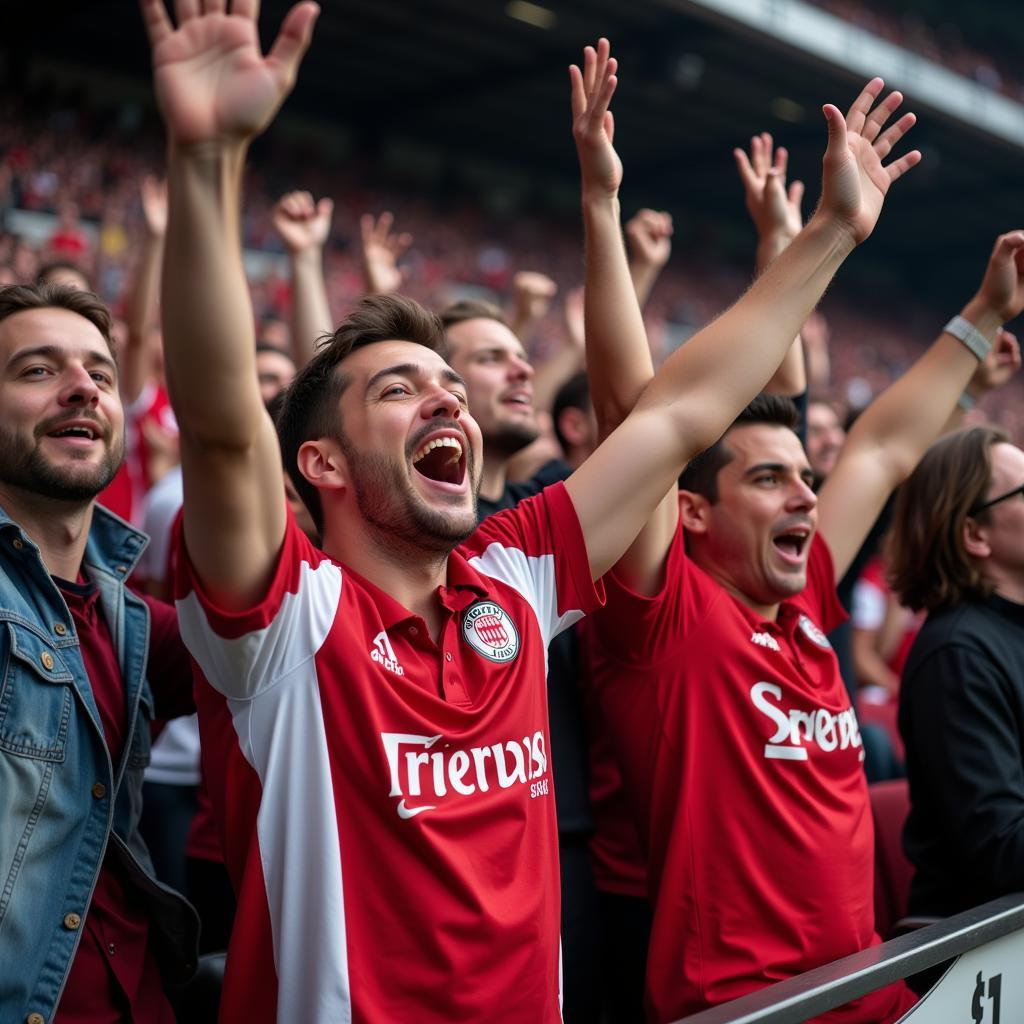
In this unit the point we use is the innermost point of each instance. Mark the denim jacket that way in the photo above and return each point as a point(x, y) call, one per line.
point(62, 802)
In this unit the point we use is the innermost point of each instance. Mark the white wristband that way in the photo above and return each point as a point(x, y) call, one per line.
point(969, 335)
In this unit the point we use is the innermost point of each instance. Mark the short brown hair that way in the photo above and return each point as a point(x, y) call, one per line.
point(929, 566)
point(470, 309)
point(310, 408)
point(701, 475)
point(16, 298)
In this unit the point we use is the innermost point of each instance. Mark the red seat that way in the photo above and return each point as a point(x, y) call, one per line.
point(890, 804)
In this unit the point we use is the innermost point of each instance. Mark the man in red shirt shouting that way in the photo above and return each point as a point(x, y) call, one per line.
point(374, 712)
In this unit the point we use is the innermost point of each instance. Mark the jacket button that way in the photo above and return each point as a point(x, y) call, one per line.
point(60, 629)
point(35, 1018)
point(99, 790)
point(18, 544)
point(72, 922)
point(47, 659)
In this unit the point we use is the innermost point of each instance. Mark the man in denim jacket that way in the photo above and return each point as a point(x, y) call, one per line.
point(83, 923)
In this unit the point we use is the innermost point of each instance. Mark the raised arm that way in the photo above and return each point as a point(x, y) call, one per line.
point(381, 250)
point(891, 435)
point(649, 233)
point(304, 226)
point(532, 294)
point(138, 356)
point(217, 91)
point(706, 383)
point(775, 211)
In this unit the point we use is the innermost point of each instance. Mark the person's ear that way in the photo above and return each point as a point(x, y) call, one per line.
point(322, 463)
point(694, 511)
point(975, 538)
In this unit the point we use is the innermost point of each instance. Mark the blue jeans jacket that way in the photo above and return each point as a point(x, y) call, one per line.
point(62, 803)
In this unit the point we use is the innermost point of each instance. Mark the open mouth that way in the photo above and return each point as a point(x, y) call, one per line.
point(792, 543)
point(76, 431)
point(442, 460)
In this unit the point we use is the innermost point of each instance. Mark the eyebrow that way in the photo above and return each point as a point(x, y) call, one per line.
point(57, 354)
point(501, 350)
point(806, 473)
point(411, 370)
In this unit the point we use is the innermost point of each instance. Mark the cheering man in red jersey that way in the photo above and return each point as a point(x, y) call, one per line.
point(374, 718)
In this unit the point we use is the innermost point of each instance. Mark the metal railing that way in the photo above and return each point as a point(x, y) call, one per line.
point(824, 988)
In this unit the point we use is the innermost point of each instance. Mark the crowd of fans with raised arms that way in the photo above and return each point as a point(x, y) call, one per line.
point(453, 686)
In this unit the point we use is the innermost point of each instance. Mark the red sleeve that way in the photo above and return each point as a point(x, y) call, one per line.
point(634, 629)
point(169, 668)
point(538, 548)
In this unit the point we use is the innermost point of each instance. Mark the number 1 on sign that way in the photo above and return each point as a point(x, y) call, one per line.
point(995, 985)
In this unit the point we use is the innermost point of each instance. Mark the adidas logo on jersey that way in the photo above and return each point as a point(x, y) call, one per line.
point(431, 770)
point(384, 654)
point(765, 640)
point(794, 729)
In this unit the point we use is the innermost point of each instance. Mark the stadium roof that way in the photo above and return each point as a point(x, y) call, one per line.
point(483, 82)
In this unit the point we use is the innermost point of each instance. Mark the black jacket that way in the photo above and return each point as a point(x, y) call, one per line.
point(962, 720)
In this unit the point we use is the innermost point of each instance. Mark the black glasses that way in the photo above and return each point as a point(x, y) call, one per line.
point(995, 501)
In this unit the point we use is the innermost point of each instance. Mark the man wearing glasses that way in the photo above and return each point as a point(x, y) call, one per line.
point(959, 554)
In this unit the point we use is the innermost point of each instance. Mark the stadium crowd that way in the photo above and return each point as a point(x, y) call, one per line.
point(485, 664)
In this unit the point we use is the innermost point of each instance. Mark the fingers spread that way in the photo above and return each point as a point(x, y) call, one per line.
point(246, 8)
point(186, 9)
point(747, 175)
point(873, 123)
point(158, 24)
point(892, 134)
point(858, 112)
point(293, 39)
point(900, 167)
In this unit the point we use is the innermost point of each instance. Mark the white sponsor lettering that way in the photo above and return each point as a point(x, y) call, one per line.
point(794, 728)
point(431, 772)
point(384, 654)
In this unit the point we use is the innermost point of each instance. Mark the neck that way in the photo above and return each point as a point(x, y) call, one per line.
point(59, 529)
point(495, 471)
point(768, 612)
point(1007, 584)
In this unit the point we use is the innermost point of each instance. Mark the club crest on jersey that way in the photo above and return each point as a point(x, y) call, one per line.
point(488, 629)
point(814, 634)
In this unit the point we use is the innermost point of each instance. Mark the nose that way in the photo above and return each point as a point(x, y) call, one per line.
point(802, 497)
point(442, 404)
point(520, 368)
point(78, 388)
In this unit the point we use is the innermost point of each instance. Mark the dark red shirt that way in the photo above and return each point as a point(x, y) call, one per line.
point(114, 975)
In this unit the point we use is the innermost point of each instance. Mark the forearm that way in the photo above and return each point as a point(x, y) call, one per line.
point(644, 275)
point(619, 363)
point(207, 315)
point(791, 377)
point(311, 310)
point(708, 382)
point(913, 411)
point(136, 359)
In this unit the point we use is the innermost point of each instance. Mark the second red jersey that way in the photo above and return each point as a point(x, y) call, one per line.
point(743, 757)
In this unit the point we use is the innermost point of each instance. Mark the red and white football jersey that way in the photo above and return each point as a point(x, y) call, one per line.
point(386, 803)
point(742, 754)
